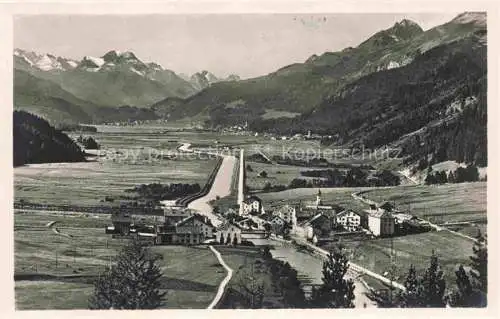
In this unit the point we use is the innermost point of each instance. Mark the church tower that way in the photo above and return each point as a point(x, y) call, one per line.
point(318, 198)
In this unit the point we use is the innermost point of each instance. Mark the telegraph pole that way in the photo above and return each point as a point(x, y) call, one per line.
point(392, 271)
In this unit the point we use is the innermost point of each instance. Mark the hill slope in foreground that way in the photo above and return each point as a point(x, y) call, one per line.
point(35, 141)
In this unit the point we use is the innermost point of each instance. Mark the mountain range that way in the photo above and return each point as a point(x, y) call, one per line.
point(423, 91)
point(62, 89)
point(302, 87)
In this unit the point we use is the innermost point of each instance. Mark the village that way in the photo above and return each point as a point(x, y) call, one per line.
point(315, 221)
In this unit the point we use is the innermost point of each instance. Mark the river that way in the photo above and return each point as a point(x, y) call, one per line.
point(309, 269)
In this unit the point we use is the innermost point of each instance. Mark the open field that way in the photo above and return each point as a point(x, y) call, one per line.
point(86, 184)
point(130, 156)
point(247, 263)
point(189, 287)
point(39, 249)
point(276, 174)
point(46, 294)
point(438, 203)
point(56, 272)
point(412, 249)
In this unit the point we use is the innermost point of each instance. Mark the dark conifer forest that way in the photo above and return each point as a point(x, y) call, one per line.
point(36, 141)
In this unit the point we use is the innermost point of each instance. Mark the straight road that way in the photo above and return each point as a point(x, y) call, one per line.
point(221, 186)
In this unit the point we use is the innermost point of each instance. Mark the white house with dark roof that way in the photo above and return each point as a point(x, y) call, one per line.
point(350, 220)
point(288, 213)
point(252, 204)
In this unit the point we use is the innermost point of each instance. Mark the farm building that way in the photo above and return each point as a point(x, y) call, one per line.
point(173, 216)
point(192, 230)
point(121, 223)
point(322, 223)
point(178, 227)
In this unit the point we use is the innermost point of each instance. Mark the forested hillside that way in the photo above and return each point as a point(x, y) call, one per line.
point(434, 106)
point(35, 141)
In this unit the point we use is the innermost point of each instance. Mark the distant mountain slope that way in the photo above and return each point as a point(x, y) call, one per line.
point(202, 80)
point(302, 87)
point(435, 106)
point(50, 101)
point(35, 141)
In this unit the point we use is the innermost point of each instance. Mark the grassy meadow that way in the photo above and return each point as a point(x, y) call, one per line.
point(189, 287)
point(130, 156)
point(53, 271)
point(416, 249)
point(276, 174)
point(439, 203)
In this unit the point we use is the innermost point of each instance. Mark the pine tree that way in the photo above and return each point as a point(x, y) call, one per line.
point(479, 262)
point(133, 282)
point(336, 291)
point(412, 297)
point(433, 284)
point(430, 179)
point(466, 295)
point(451, 177)
point(472, 287)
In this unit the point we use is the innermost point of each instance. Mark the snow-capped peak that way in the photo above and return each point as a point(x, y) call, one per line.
point(45, 62)
point(93, 62)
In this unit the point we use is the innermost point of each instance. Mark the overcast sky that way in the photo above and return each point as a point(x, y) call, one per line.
point(247, 45)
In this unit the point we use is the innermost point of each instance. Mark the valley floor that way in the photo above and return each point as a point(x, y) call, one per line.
point(53, 271)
